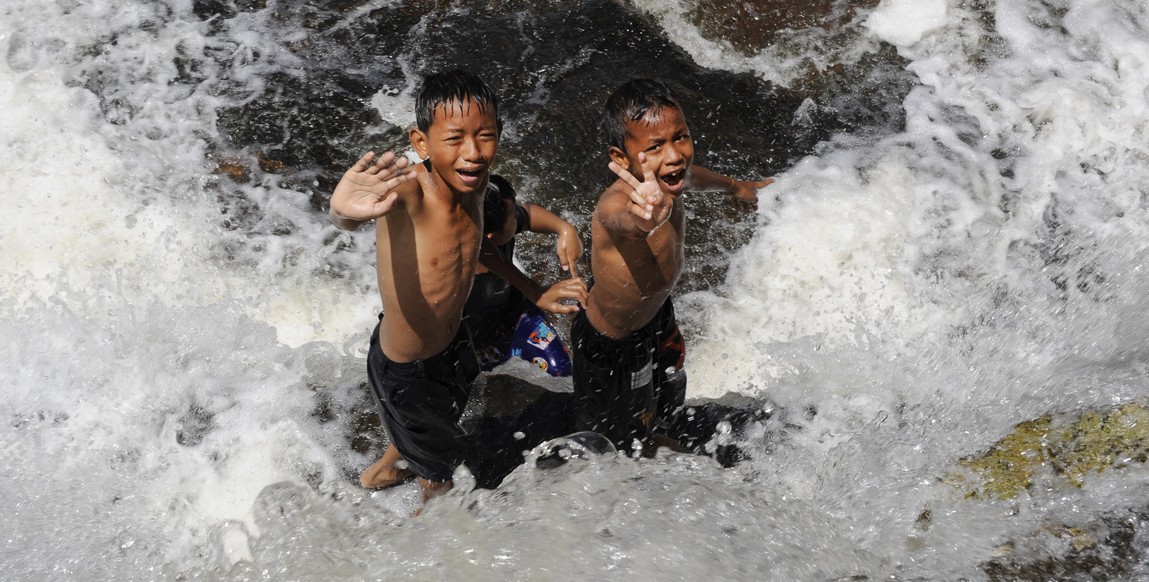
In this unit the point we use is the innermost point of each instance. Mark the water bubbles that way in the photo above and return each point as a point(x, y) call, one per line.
point(21, 57)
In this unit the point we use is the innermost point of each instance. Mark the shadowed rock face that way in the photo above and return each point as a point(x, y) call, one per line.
point(507, 417)
point(749, 25)
point(553, 65)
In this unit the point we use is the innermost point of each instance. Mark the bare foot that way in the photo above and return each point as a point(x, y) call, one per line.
point(429, 490)
point(656, 441)
point(384, 473)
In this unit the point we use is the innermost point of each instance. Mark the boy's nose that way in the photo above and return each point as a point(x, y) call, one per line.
point(471, 150)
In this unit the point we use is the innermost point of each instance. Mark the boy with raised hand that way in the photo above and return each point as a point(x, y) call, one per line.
point(428, 237)
point(627, 347)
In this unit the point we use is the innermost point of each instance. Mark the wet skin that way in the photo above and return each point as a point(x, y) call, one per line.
point(428, 235)
point(638, 229)
point(428, 251)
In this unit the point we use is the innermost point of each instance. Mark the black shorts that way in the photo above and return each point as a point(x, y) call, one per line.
point(420, 404)
point(492, 311)
point(625, 388)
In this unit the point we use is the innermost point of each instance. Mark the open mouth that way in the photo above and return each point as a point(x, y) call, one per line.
point(674, 180)
point(471, 176)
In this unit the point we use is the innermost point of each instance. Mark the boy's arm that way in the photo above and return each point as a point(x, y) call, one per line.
point(546, 298)
point(368, 190)
point(568, 245)
point(743, 194)
point(639, 207)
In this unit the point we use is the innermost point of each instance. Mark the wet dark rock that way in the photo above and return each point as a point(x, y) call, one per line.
point(507, 417)
point(193, 425)
point(750, 25)
point(1067, 449)
point(237, 170)
point(553, 65)
point(1107, 550)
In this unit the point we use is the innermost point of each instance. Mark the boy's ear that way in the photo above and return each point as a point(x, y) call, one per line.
point(418, 141)
point(618, 156)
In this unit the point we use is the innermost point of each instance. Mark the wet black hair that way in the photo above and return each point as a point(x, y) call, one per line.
point(631, 101)
point(495, 205)
point(441, 89)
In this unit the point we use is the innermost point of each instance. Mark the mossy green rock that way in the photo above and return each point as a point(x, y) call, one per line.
point(1070, 448)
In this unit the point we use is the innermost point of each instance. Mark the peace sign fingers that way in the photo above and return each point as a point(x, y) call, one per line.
point(644, 195)
point(641, 205)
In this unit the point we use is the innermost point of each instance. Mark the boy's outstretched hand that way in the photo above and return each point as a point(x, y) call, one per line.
point(744, 195)
point(551, 297)
point(649, 206)
point(367, 190)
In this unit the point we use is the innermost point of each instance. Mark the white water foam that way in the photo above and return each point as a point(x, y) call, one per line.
point(906, 301)
point(903, 23)
point(148, 398)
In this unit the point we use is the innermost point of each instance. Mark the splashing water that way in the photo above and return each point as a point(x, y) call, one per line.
point(184, 348)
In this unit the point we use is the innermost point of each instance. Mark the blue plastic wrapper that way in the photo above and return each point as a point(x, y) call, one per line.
point(537, 341)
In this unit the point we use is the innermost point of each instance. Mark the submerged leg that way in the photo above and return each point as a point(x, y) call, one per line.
point(657, 441)
point(384, 473)
point(429, 490)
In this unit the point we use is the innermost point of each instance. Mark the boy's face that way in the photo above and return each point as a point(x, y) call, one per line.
point(461, 144)
point(663, 136)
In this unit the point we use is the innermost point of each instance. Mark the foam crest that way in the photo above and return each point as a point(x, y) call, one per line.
point(786, 60)
point(69, 224)
point(978, 270)
point(903, 23)
point(184, 350)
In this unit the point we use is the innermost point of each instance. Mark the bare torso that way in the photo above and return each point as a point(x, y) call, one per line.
point(427, 260)
point(632, 276)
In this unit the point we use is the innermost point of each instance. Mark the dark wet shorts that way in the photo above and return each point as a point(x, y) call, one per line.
point(420, 404)
point(625, 388)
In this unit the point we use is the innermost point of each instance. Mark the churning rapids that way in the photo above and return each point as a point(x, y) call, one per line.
point(954, 245)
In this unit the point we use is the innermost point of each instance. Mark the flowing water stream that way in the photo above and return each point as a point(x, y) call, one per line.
point(954, 244)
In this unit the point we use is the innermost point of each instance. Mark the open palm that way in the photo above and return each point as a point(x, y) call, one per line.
point(367, 190)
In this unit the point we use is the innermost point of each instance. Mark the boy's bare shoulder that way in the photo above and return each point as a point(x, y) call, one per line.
point(412, 192)
point(612, 200)
point(413, 187)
